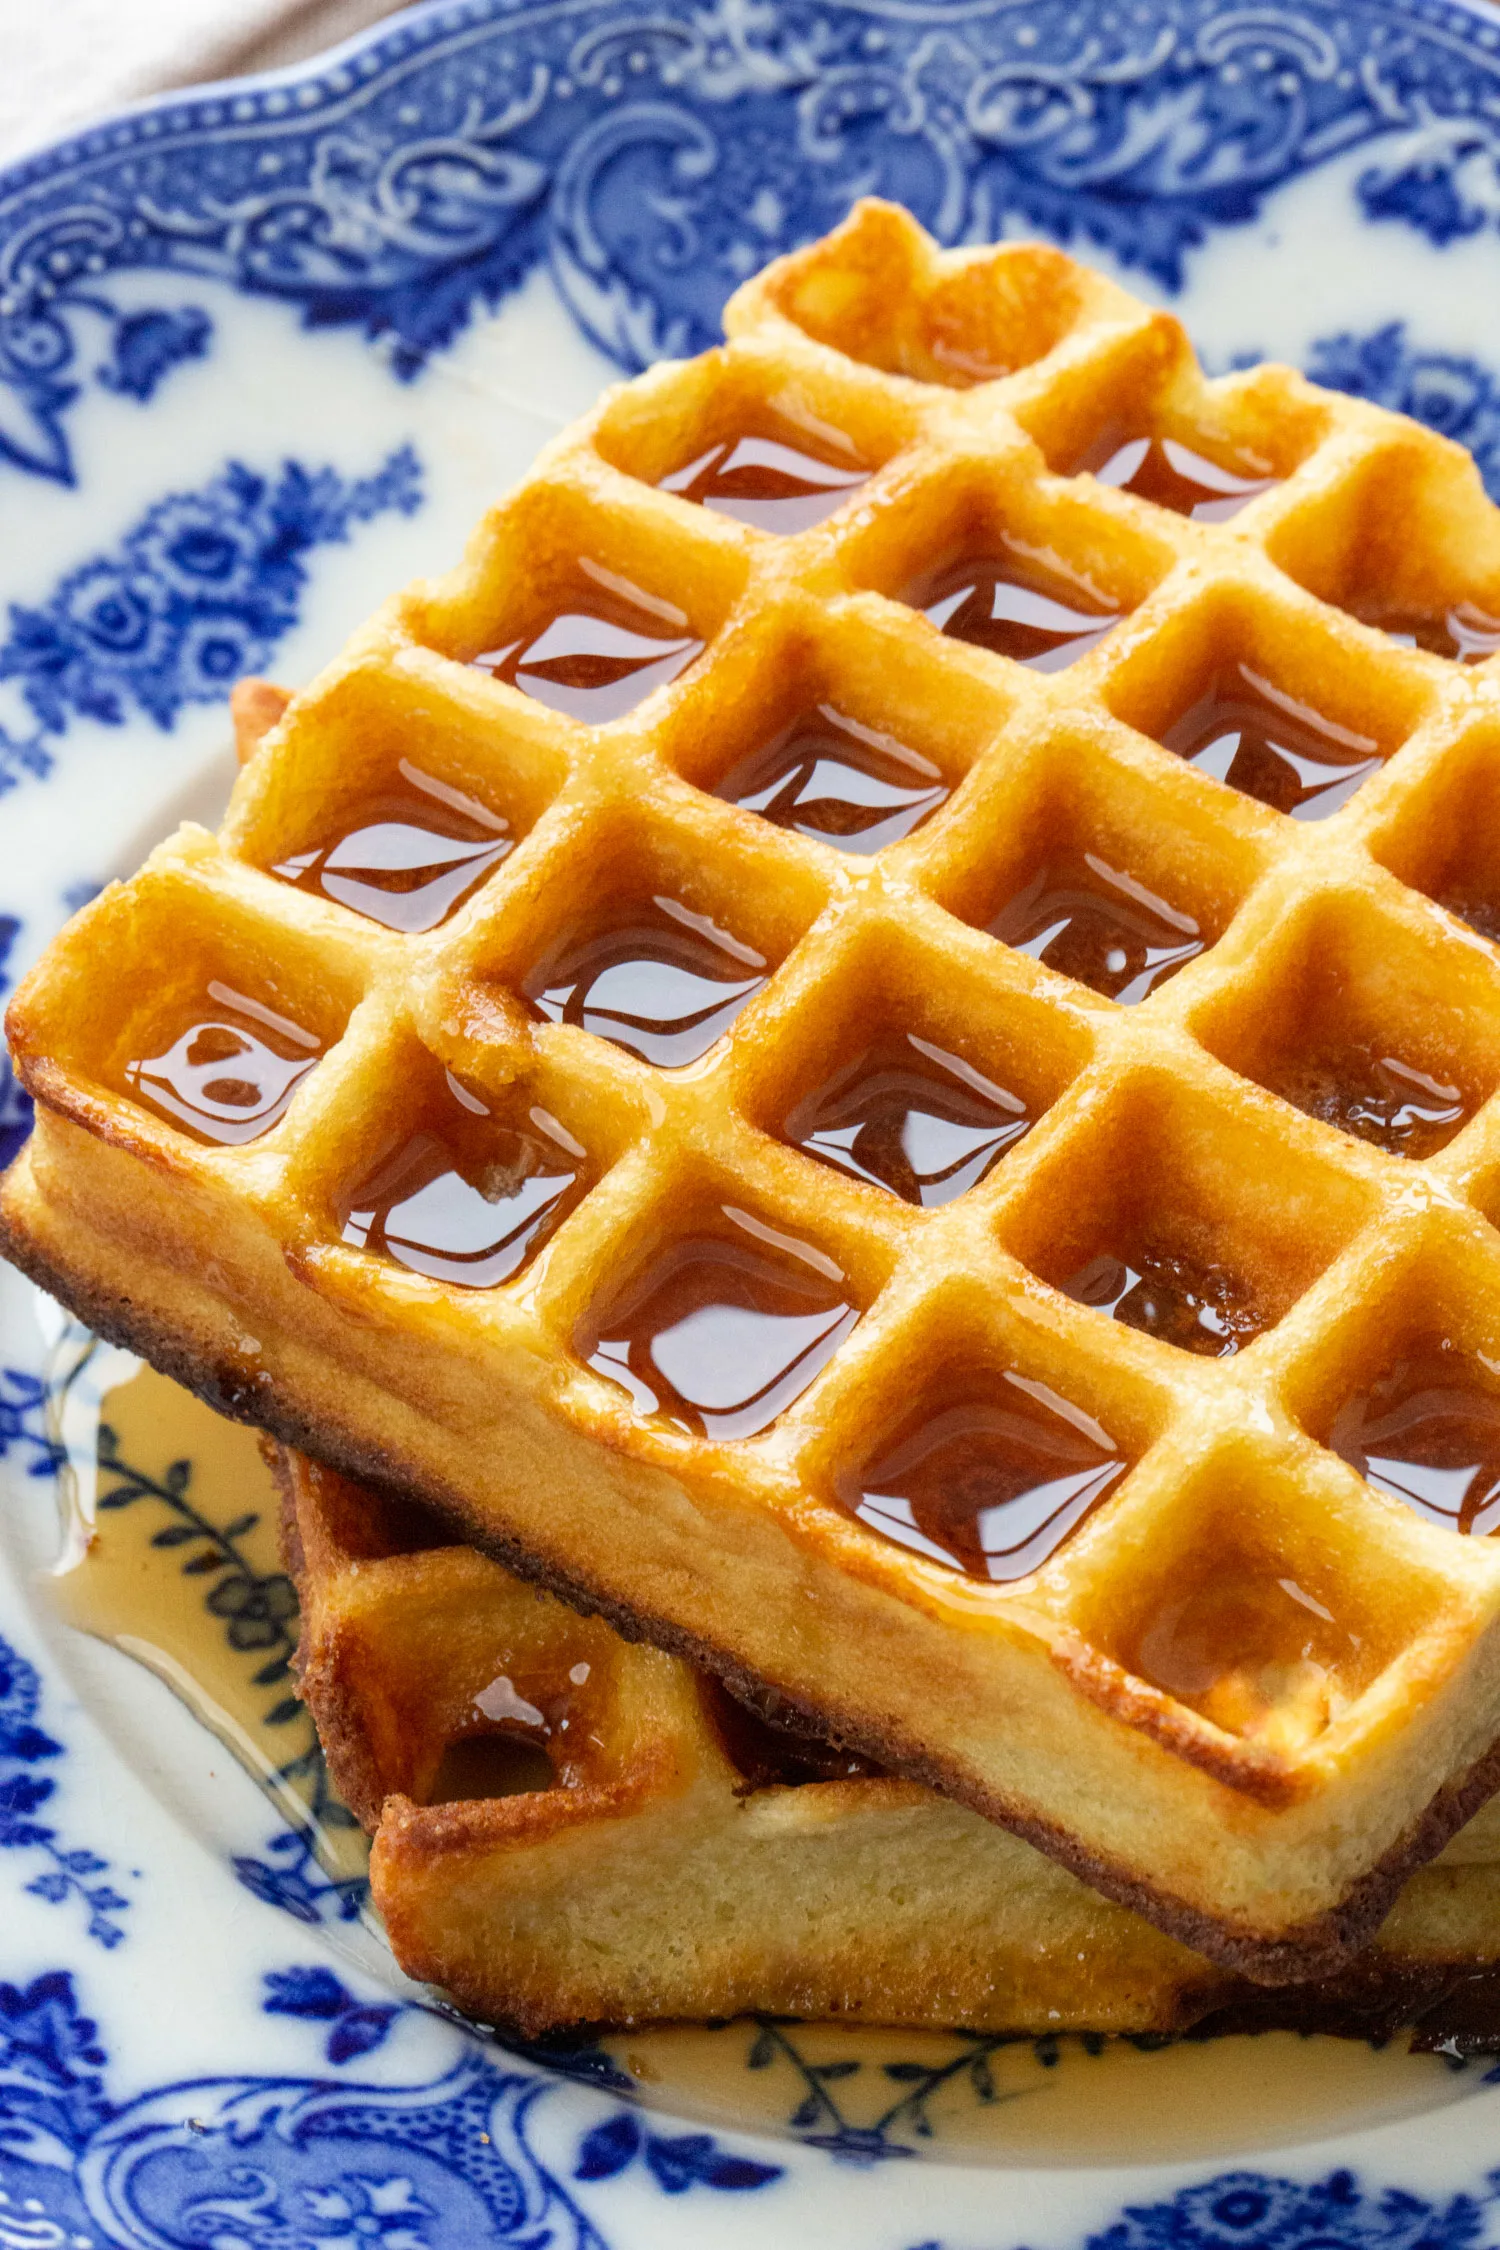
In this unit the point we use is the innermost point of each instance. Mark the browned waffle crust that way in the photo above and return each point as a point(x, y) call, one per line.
point(1267, 1814)
point(665, 1855)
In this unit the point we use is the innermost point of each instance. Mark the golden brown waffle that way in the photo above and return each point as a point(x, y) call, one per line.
point(1250, 1691)
point(570, 1830)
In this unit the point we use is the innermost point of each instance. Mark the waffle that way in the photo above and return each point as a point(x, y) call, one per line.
point(951, 1287)
point(571, 1830)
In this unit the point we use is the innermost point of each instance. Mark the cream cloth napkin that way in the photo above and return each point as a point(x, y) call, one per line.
point(65, 62)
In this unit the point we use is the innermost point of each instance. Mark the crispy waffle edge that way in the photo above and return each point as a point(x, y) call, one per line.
point(1317, 1948)
point(1443, 1999)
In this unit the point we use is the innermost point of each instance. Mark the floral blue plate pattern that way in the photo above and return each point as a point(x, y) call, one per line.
point(263, 349)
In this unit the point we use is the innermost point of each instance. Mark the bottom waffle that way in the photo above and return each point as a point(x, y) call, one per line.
point(570, 1829)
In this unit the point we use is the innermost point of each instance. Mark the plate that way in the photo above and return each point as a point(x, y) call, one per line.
point(265, 351)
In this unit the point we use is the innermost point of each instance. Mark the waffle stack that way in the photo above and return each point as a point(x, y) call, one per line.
point(569, 1829)
point(915, 1126)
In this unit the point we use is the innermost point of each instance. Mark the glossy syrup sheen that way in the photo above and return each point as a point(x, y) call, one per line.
point(406, 858)
point(771, 483)
point(1246, 731)
point(1376, 1097)
point(229, 1073)
point(721, 1331)
point(208, 1608)
point(845, 784)
point(991, 1482)
point(1481, 914)
point(1173, 475)
point(467, 1197)
point(596, 660)
point(1427, 1430)
point(1205, 1309)
point(662, 982)
point(908, 1116)
point(1086, 919)
point(1251, 1650)
point(1013, 606)
point(523, 1736)
point(1465, 633)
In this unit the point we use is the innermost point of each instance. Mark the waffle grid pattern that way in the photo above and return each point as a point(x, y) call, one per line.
point(661, 1873)
point(1164, 1115)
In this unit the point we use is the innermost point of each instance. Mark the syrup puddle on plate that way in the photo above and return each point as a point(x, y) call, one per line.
point(169, 1554)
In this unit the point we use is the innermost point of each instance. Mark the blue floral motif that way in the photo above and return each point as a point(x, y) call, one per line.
point(15, 1112)
point(448, 2164)
point(291, 2163)
point(1441, 176)
point(72, 1873)
point(1450, 393)
point(655, 157)
point(200, 591)
point(24, 1420)
point(46, 360)
point(290, 1877)
point(147, 345)
point(356, 2027)
point(15, 1102)
point(676, 2162)
point(1251, 2211)
point(23, 1423)
point(51, 2065)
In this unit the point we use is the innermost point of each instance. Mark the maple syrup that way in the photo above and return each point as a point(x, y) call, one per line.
point(1481, 914)
point(720, 1332)
point(498, 1763)
point(467, 1198)
point(663, 984)
point(1465, 633)
point(1428, 1432)
point(907, 1116)
point(1088, 920)
point(771, 1757)
point(169, 1553)
point(1271, 747)
point(1253, 1652)
point(1014, 607)
point(408, 858)
point(845, 784)
point(520, 1739)
point(229, 1075)
point(769, 483)
point(597, 661)
point(1378, 1098)
point(1202, 1309)
point(1173, 475)
point(991, 1483)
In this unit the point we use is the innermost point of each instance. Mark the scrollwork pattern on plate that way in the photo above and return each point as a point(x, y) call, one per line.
point(297, 2163)
point(656, 156)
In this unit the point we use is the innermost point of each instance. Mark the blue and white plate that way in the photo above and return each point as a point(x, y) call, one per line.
point(264, 354)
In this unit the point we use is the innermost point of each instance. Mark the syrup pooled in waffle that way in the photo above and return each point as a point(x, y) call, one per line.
point(569, 1829)
point(902, 1103)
